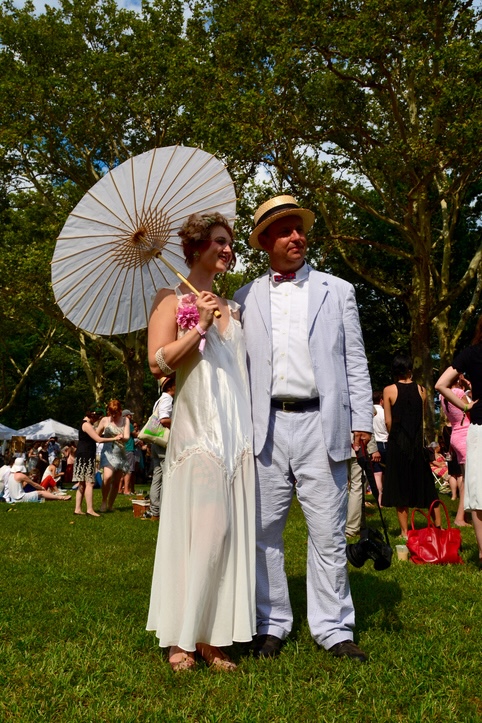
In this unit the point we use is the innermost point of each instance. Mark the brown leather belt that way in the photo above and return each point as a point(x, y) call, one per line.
point(303, 405)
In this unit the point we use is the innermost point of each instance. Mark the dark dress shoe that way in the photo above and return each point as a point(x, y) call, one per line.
point(267, 646)
point(348, 649)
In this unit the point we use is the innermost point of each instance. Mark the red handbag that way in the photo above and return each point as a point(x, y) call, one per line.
point(432, 544)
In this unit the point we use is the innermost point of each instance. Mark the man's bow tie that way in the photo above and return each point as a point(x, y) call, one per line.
point(277, 278)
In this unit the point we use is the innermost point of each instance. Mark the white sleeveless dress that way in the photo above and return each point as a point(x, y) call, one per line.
point(203, 585)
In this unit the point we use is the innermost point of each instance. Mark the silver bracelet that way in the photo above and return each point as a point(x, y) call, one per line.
point(161, 362)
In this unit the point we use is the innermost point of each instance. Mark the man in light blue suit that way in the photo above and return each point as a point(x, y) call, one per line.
point(310, 389)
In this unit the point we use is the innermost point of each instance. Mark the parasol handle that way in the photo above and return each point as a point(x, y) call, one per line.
point(182, 278)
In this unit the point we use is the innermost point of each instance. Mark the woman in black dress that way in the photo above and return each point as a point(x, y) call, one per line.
point(408, 479)
point(84, 465)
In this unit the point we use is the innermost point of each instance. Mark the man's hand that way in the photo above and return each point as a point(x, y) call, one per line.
point(359, 437)
point(376, 457)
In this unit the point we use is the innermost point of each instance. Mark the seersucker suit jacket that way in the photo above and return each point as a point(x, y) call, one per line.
point(337, 353)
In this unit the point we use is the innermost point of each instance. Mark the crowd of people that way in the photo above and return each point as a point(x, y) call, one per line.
point(272, 398)
point(114, 462)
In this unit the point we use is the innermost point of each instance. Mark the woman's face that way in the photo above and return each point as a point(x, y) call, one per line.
point(217, 255)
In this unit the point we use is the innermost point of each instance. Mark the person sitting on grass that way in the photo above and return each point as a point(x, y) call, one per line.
point(51, 477)
point(18, 480)
point(4, 475)
point(438, 463)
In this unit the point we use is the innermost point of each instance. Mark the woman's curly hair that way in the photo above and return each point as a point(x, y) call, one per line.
point(196, 231)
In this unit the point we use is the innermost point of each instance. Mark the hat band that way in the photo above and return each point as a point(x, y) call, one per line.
point(277, 209)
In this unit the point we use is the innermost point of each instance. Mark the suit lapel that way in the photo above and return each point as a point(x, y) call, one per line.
point(261, 295)
point(317, 291)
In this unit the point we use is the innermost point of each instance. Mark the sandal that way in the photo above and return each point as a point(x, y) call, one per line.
point(215, 658)
point(180, 659)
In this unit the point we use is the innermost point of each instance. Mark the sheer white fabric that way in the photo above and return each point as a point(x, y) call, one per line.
point(473, 466)
point(203, 585)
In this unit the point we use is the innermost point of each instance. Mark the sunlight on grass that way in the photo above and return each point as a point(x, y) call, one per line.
point(73, 646)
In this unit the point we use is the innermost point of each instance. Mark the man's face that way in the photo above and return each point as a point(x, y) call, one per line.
point(285, 242)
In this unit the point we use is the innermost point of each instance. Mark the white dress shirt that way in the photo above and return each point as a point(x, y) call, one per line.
point(379, 427)
point(163, 406)
point(293, 377)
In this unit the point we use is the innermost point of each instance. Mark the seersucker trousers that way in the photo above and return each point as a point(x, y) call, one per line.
point(294, 460)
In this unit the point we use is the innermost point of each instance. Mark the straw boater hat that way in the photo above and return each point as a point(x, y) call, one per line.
point(274, 209)
point(164, 382)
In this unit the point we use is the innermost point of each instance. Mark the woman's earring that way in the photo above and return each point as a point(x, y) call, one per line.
point(196, 255)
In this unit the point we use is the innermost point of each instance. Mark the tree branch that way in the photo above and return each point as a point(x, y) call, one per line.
point(457, 288)
point(37, 358)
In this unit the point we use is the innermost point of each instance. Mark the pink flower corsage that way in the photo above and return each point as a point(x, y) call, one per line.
point(187, 316)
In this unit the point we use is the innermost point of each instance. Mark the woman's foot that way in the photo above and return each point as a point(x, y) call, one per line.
point(180, 659)
point(79, 512)
point(92, 513)
point(215, 657)
point(461, 523)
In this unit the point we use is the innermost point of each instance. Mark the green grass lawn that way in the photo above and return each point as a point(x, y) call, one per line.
point(73, 607)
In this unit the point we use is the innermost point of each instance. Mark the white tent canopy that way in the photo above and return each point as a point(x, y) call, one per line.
point(49, 428)
point(7, 432)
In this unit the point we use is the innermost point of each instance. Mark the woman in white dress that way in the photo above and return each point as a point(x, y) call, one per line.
point(203, 586)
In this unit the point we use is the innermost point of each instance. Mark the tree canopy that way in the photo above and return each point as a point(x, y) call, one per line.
point(372, 112)
point(369, 112)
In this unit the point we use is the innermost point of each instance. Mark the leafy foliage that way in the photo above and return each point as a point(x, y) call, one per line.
point(369, 113)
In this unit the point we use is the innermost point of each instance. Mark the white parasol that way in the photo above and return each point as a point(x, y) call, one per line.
point(107, 264)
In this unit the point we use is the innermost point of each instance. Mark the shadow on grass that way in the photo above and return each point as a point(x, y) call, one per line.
point(375, 598)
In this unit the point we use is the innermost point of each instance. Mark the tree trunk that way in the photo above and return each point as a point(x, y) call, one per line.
point(420, 324)
point(423, 370)
point(445, 340)
point(134, 352)
point(93, 365)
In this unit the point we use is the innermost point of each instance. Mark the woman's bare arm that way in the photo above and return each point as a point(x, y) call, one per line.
point(162, 331)
point(443, 386)
point(89, 429)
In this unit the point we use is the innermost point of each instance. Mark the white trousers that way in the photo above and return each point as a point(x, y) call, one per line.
point(295, 458)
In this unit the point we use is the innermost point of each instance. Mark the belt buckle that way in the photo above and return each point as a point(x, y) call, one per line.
point(288, 406)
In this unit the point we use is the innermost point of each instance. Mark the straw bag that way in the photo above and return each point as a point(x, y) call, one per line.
point(432, 544)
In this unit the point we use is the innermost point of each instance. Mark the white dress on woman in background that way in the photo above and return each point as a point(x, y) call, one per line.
point(203, 585)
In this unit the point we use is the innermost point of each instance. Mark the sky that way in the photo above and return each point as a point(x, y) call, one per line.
point(127, 4)
point(40, 4)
